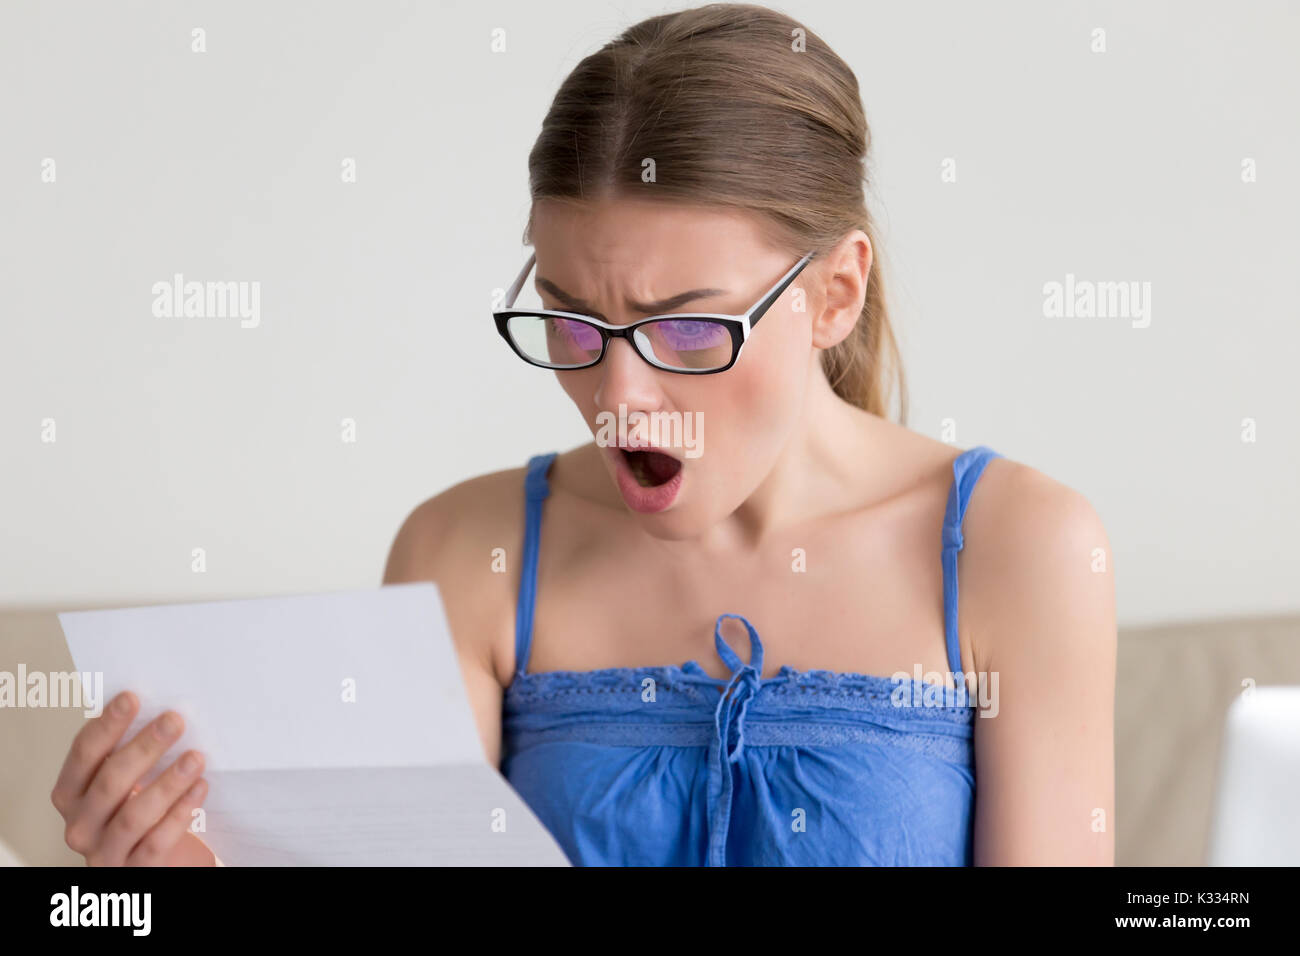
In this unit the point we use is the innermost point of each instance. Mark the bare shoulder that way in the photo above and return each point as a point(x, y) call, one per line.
point(442, 532)
point(1036, 564)
point(453, 530)
point(458, 539)
point(1019, 515)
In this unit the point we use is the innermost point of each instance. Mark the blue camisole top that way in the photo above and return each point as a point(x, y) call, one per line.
point(669, 766)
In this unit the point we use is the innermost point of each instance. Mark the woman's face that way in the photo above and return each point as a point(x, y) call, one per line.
point(722, 432)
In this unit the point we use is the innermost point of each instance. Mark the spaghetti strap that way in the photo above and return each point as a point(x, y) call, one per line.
point(966, 470)
point(536, 490)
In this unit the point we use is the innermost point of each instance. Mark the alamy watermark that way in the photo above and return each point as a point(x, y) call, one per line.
point(1086, 299)
point(178, 299)
point(975, 689)
point(56, 689)
point(684, 430)
point(127, 910)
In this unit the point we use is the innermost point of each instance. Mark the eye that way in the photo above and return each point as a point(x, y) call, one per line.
point(581, 335)
point(692, 333)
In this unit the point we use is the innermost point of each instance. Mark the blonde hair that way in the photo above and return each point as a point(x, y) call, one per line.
point(736, 113)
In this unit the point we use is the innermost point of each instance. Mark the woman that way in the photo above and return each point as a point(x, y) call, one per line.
point(733, 633)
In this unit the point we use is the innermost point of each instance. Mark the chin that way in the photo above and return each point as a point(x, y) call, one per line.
point(676, 524)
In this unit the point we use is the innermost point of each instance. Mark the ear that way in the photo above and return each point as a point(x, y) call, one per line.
point(843, 289)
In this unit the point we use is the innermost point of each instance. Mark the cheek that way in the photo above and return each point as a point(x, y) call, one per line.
point(581, 389)
point(773, 369)
point(750, 409)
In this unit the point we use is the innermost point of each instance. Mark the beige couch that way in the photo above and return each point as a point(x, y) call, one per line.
point(1173, 688)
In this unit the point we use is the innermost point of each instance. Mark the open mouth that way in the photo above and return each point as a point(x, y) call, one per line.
point(651, 468)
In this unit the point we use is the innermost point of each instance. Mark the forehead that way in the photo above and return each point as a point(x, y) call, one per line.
point(631, 230)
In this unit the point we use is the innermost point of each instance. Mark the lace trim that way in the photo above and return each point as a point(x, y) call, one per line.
point(691, 683)
point(767, 733)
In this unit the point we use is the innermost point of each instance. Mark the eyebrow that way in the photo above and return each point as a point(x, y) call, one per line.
point(646, 308)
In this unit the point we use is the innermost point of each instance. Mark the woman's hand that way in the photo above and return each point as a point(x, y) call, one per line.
point(113, 822)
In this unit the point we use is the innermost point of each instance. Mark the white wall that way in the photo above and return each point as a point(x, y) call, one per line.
point(181, 433)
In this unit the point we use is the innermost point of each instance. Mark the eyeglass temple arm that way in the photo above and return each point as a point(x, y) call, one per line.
point(513, 292)
point(756, 313)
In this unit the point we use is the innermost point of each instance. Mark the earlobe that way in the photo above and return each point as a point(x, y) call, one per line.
point(833, 326)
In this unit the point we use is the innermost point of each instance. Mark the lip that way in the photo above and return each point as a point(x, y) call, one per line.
point(644, 500)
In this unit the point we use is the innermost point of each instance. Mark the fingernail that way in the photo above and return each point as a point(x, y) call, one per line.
point(122, 705)
point(190, 763)
point(167, 727)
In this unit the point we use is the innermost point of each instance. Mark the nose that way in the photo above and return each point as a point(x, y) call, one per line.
point(627, 379)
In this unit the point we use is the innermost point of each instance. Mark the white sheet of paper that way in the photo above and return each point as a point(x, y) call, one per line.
point(335, 727)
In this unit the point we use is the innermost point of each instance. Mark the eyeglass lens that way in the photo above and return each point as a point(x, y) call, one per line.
point(692, 344)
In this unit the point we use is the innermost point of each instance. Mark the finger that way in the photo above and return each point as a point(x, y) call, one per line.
point(122, 769)
point(159, 841)
point(93, 743)
point(142, 812)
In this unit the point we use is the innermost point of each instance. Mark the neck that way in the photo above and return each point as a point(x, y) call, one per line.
point(821, 469)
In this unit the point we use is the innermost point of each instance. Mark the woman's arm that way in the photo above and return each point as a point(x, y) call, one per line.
point(437, 543)
point(1038, 596)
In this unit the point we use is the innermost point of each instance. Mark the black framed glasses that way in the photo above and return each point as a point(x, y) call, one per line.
point(692, 343)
